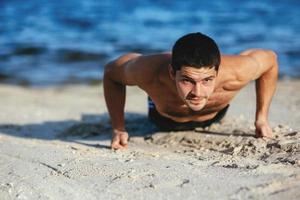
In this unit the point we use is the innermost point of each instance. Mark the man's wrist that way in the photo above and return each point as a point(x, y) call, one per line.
point(261, 117)
point(259, 122)
point(119, 131)
point(118, 127)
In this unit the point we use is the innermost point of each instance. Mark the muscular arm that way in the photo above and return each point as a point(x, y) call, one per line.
point(265, 73)
point(114, 85)
point(129, 69)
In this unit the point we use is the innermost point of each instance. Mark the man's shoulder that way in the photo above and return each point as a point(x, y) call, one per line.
point(235, 71)
point(250, 60)
point(144, 59)
point(249, 65)
point(141, 69)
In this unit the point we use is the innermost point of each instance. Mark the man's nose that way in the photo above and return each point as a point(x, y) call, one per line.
point(197, 89)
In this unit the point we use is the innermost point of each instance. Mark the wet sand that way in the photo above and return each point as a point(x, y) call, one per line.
point(54, 144)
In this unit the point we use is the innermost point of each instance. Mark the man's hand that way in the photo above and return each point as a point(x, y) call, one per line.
point(119, 140)
point(263, 129)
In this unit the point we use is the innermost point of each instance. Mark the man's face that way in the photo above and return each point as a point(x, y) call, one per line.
point(195, 85)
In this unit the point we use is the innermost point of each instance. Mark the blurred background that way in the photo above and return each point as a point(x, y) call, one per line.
point(54, 42)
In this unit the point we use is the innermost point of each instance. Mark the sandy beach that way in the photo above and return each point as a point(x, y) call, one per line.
point(54, 144)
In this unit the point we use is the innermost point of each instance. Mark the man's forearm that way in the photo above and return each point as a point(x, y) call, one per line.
point(265, 89)
point(115, 100)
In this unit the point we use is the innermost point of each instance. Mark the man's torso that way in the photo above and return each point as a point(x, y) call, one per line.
point(163, 92)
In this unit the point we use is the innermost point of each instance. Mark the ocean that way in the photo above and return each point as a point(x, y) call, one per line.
point(54, 42)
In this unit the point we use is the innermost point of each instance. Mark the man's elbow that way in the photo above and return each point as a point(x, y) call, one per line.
point(108, 67)
point(268, 65)
point(113, 73)
point(109, 73)
point(273, 60)
point(272, 55)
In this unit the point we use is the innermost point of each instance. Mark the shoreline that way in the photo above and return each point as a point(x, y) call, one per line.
point(5, 80)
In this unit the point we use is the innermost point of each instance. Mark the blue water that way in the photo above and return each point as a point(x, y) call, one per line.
point(46, 42)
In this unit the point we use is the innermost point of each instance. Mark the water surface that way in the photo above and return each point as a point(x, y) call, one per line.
point(56, 42)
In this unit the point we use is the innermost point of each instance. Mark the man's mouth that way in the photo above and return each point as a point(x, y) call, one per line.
point(196, 100)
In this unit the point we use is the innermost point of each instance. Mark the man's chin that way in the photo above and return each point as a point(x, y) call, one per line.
point(196, 107)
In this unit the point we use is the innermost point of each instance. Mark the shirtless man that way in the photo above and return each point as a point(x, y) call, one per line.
point(190, 87)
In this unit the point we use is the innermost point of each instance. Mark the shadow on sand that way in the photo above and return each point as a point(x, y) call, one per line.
point(91, 127)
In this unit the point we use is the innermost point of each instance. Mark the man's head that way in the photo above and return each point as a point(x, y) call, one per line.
point(194, 67)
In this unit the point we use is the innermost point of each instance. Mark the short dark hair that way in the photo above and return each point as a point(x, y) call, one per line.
point(195, 50)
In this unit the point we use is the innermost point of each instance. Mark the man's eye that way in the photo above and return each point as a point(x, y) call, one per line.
point(186, 81)
point(208, 79)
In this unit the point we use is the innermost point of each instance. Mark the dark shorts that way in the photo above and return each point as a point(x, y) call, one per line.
point(167, 124)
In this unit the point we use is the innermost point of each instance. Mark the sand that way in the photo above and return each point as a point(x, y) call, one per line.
point(54, 144)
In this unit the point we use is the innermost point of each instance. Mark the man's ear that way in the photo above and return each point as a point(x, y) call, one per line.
point(172, 73)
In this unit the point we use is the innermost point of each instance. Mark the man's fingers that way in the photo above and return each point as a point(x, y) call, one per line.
point(119, 142)
point(268, 135)
point(124, 139)
point(125, 146)
point(265, 132)
point(116, 146)
point(115, 143)
point(258, 133)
